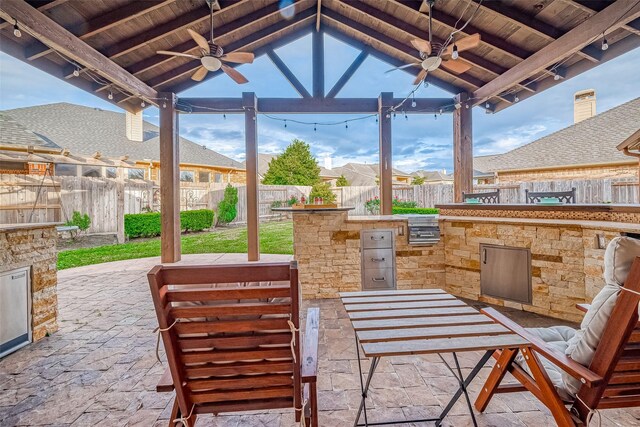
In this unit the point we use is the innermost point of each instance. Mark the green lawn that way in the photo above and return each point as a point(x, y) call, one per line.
point(275, 238)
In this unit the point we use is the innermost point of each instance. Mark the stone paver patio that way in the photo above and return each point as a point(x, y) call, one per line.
point(100, 369)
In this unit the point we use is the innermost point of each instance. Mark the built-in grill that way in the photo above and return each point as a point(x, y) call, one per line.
point(423, 229)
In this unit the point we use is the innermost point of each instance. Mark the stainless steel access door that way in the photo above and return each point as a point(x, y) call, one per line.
point(505, 272)
point(15, 310)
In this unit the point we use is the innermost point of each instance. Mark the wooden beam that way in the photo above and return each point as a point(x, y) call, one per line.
point(41, 6)
point(10, 47)
point(318, 15)
point(317, 49)
point(566, 45)
point(52, 34)
point(250, 104)
point(311, 105)
point(346, 76)
point(288, 74)
point(254, 37)
point(164, 30)
point(169, 180)
point(391, 60)
point(385, 101)
point(462, 149)
point(101, 23)
point(531, 23)
point(615, 50)
point(591, 7)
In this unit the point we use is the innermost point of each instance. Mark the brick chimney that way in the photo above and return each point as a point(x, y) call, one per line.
point(134, 126)
point(584, 105)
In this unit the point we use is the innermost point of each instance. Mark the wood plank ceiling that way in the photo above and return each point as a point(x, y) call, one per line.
point(514, 33)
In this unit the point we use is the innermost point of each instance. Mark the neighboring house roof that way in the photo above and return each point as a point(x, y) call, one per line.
point(591, 141)
point(328, 173)
point(13, 133)
point(430, 176)
point(360, 174)
point(86, 130)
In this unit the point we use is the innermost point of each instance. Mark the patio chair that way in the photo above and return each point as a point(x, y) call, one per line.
point(563, 196)
point(596, 367)
point(231, 336)
point(486, 197)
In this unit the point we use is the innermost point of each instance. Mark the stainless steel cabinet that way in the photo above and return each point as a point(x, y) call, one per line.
point(378, 256)
point(15, 310)
point(505, 272)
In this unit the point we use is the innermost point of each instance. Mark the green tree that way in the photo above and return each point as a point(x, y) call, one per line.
point(323, 190)
point(417, 180)
point(342, 182)
point(227, 208)
point(296, 166)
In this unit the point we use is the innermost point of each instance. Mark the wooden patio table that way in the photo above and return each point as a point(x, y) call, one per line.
point(421, 321)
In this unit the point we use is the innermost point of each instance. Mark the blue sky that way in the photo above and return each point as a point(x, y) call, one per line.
point(421, 142)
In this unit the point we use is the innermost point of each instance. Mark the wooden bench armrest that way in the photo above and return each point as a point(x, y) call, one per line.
point(309, 363)
point(560, 359)
point(583, 307)
point(165, 384)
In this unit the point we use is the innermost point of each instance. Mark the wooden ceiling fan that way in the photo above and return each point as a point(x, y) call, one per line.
point(434, 55)
point(212, 56)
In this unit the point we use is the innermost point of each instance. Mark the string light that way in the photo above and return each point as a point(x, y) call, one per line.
point(76, 72)
point(285, 123)
point(164, 104)
point(110, 96)
point(556, 77)
point(405, 116)
point(487, 105)
point(224, 117)
point(516, 99)
point(388, 116)
point(376, 118)
point(454, 54)
point(413, 101)
point(426, 84)
point(435, 117)
point(315, 128)
point(142, 104)
point(346, 125)
point(16, 30)
point(605, 45)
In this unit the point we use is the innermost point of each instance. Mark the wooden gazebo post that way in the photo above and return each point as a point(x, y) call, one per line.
point(169, 179)
point(385, 101)
point(462, 148)
point(250, 105)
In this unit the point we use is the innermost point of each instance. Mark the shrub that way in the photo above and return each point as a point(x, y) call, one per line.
point(292, 201)
point(420, 211)
point(82, 221)
point(402, 204)
point(227, 210)
point(322, 190)
point(372, 205)
point(276, 204)
point(148, 224)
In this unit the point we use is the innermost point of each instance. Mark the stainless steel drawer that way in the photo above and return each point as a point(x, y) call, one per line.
point(378, 278)
point(377, 258)
point(377, 239)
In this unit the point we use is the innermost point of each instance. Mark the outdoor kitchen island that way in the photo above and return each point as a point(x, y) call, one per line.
point(563, 252)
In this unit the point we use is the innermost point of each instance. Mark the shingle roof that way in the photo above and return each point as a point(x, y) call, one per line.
point(13, 133)
point(359, 174)
point(433, 175)
point(86, 130)
point(591, 141)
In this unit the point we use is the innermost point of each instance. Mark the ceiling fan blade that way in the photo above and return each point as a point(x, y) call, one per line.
point(186, 55)
point(457, 67)
point(238, 57)
point(463, 44)
point(234, 74)
point(415, 64)
point(422, 45)
point(200, 41)
point(200, 73)
point(420, 77)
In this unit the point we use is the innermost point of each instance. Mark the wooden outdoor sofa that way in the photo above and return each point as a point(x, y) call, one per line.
point(576, 373)
point(231, 336)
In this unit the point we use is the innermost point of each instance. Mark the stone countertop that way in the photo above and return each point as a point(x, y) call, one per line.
point(600, 207)
point(376, 218)
point(314, 210)
point(601, 225)
point(28, 226)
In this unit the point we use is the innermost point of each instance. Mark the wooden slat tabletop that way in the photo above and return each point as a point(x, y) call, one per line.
point(421, 321)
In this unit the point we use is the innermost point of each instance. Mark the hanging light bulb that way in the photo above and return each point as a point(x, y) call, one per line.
point(487, 105)
point(454, 54)
point(516, 99)
point(16, 30)
point(142, 104)
point(346, 125)
point(605, 45)
point(76, 72)
point(110, 96)
point(413, 101)
point(315, 127)
point(556, 77)
point(426, 84)
point(435, 117)
point(285, 123)
point(388, 116)
point(164, 104)
point(224, 117)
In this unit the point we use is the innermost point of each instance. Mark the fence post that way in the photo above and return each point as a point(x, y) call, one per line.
point(120, 210)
